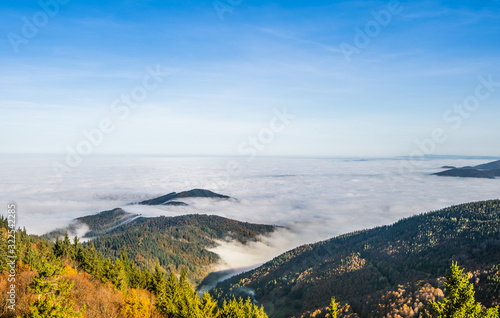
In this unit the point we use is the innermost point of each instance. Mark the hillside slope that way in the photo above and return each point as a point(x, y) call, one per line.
point(377, 272)
point(94, 225)
point(173, 242)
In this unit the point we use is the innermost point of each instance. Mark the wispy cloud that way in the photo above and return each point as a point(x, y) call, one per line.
point(266, 56)
point(295, 38)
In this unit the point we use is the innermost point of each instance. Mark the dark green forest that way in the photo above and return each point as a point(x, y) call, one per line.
point(172, 242)
point(388, 270)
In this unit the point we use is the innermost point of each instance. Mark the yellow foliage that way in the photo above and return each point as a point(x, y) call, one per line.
point(135, 306)
point(70, 271)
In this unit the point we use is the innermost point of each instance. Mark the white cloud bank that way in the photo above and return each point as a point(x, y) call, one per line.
point(315, 198)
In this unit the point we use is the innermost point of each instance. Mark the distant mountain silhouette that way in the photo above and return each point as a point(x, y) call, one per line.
point(106, 221)
point(195, 193)
point(448, 167)
point(495, 165)
point(486, 171)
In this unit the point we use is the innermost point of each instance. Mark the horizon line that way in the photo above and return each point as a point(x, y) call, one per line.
point(394, 157)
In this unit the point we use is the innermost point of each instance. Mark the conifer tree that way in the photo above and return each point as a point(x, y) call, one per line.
point(66, 246)
point(239, 308)
point(3, 246)
point(158, 281)
point(58, 249)
point(31, 256)
point(120, 277)
point(107, 270)
point(52, 294)
point(77, 247)
point(209, 306)
point(459, 301)
point(168, 297)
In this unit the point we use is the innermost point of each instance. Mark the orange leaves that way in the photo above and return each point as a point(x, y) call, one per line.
point(69, 271)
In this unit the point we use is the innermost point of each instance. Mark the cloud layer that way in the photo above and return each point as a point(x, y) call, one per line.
point(314, 198)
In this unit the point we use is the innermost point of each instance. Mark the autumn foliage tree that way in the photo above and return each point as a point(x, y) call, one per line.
point(135, 306)
point(333, 309)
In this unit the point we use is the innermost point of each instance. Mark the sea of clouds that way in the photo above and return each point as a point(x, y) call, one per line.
point(314, 199)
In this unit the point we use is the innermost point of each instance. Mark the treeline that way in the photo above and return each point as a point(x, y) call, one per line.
point(62, 279)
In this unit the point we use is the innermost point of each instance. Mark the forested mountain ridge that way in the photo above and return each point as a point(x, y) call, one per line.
point(102, 222)
point(172, 242)
point(105, 221)
point(96, 224)
point(383, 272)
point(168, 199)
point(177, 242)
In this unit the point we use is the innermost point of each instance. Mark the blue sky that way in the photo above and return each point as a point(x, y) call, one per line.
point(228, 77)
